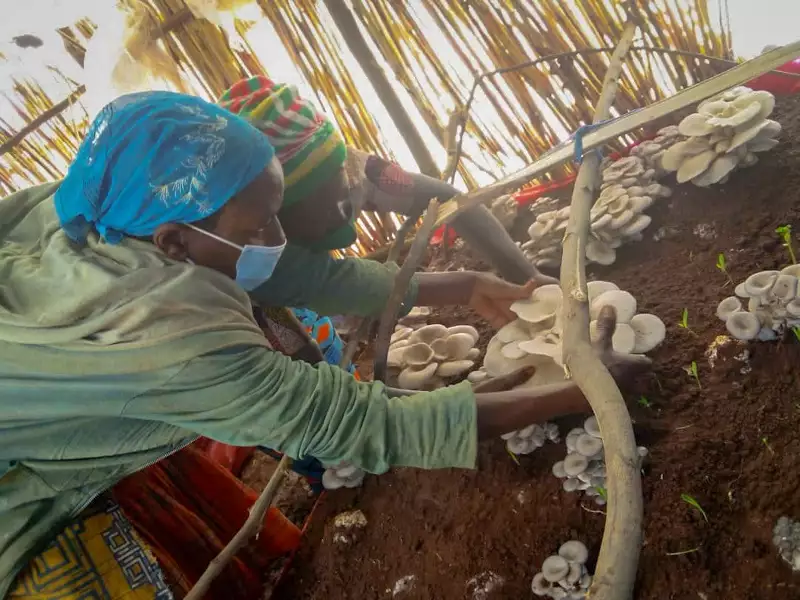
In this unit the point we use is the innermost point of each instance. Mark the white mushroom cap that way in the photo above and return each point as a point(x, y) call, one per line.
point(453, 368)
point(542, 346)
point(596, 288)
point(575, 552)
point(428, 333)
point(473, 354)
point(649, 332)
point(727, 307)
point(477, 376)
point(458, 345)
point(418, 355)
point(603, 254)
point(570, 484)
point(743, 325)
point(592, 427)
point(439, 348)
point(540, 586)
point(793, 308)
point(624, 339)
point(575, 463)
point(414, 379)
point(758, 284)
point(468, 329)
point(496, 365)
point(741, 291)
point(759, 145)
point(558, 470)
point(330, 480)
point(512, 351)
point(543, 305)
point(518, 445)
point(400, 334)
point(623, 302)
point(395, 357)
point(695, 165)
point(588, 445)
point(574, 575)
point(639, 224)
point(695, 124)
point(513, 332)
point(784, 288)
point(720, 168)
point(555, 568)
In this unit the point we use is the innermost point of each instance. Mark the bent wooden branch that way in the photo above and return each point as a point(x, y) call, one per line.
point(619, 553)
point(250, 529)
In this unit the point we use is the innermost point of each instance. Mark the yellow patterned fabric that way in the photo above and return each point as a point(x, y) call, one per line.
point(96, 557)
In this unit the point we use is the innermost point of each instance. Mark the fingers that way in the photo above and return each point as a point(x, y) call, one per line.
point(606, 325)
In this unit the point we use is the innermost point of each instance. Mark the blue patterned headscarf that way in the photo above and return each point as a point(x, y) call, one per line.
point(157, 157)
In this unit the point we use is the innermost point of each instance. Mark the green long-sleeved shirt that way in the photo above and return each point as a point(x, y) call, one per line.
point(83, 405)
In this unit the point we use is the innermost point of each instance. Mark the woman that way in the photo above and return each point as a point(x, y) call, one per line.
point(127, 331)
point(327, 184)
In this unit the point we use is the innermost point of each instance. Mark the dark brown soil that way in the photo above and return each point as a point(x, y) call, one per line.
point(734, 444)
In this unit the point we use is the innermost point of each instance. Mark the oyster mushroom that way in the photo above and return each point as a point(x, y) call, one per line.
point(588, 445)
point(558, 470)
point(414, 379)
point(542, 307)
point(513, 332)
point(467, 329)
point(758, 284)
point(600, 253)
point(555, 568)
point(695, 124)
point(458, 345)
point(400, 334)
point(574, 551)
point(575, 463)
point(428, 333)
point(743, 325)
point(728, 306)
point(453, 368)
point(418, 355)
point(695, 165)
point(784, 288)
point(649, 332)
point(596, 288)
point(624, 339)
point(540, 586)
point(623, 302)
point(395, 357)
point(592, 427)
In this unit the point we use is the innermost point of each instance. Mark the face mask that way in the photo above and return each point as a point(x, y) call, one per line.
point(255, 264)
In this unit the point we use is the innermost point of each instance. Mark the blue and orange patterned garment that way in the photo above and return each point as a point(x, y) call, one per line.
point(322, 330)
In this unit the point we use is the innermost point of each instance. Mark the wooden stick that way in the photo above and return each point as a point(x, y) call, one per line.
point(401, 281)
point(622, 539)
point(250, 529)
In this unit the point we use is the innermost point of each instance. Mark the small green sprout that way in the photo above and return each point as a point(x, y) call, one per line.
point(602, 492)
point(695, 504)
point(785, 233)
point(513, 457)
point(684, 322)
point(796, 332)
point(693, 372)
point(765, 441)
point(643, 401)
point(722, 266)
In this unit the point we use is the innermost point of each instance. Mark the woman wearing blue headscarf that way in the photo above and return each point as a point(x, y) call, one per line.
point(127, 331)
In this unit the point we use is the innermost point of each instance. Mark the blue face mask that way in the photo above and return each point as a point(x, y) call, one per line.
point(256, 263)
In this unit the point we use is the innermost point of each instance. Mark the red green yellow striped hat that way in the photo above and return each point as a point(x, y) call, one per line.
point(306, 143)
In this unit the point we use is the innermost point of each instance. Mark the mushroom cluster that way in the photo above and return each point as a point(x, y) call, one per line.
point(531, 438)
point(773, 305)
point(726, 132)
point(652, 151)
point(628, 189)
point(342, 475)
point(505, 208)
point(584, 468)
point(534, 338)
point(564, 575)
point(786, 537)
point(432, 353)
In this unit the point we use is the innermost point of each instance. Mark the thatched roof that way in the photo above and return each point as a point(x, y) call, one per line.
point(432, 50)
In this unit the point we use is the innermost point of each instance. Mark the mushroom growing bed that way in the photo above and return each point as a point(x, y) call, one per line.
point(732, 443)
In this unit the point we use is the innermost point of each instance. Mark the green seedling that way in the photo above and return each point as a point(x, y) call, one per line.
point(765, 441)
point(796, 332)
point(602, 492)
point(513, 457)
point(694, 504)
point(785, 233)
point(644, 402)
point(693, 372)
point(722, 266)
point(684, 322)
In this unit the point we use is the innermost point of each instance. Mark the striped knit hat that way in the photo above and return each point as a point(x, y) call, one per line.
point(306, 143)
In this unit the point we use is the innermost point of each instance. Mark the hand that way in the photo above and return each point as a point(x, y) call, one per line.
point(492, 297)
point(623, 367)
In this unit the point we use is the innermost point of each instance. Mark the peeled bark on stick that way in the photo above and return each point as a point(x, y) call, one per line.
point(250, 529)
point(622, 539)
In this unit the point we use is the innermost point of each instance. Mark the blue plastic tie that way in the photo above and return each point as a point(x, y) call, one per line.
point(578, 139)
